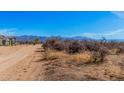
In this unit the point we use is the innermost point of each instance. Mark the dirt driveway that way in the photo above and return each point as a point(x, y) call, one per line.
point(20, 62)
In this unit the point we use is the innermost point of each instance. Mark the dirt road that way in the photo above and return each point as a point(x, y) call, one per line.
point(20, 62)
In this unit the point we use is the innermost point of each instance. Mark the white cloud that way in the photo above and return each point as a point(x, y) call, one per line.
point(7, 32)
point(116, 34)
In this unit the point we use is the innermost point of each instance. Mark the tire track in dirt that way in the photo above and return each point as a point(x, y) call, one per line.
point(22, 65)
point(15, 57)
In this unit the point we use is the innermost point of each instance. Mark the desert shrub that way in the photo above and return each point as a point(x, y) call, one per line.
point(54, 43)
point(121, 49)
point(112, 45)
point(99, 49)
point(91, 45)
point(115, 47)
point(74, 47)
point(99, 54)
point(70, 46)
point(36, 41)
point(98, 57)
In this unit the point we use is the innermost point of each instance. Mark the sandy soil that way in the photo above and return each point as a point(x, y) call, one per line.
point(20, 62)
point(112, 69)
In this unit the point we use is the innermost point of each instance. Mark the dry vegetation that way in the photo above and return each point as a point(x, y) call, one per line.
point(85, 57)
point(83, 60)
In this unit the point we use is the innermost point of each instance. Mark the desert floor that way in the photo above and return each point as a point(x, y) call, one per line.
point(26, 63)
point(20, 62)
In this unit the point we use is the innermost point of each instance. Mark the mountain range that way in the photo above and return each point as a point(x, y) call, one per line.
point(43, 38)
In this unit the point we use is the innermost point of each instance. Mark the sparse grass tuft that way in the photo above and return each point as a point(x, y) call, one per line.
point(81, 58)
point(52, 54)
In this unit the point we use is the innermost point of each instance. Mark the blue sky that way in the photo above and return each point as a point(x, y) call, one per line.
point(88, 24)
